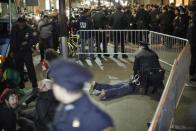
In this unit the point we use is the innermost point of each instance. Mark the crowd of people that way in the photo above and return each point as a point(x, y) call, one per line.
point(167, 19)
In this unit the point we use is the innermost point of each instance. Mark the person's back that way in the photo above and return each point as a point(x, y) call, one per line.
point(147, 66)
point(76, 112)
point(99, 20)
point(81, 115)
point(142, 19)
point(118, 20)
point(145, 60)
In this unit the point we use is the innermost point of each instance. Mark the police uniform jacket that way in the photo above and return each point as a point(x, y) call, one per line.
point(192, 31)
point(85, 23)
point(166, 20)
point(118, 20)
point(21, 39)
point(100, 20)
point(145, 60)
point(81, 115)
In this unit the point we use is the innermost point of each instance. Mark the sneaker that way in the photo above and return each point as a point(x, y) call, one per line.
point(92, 88)
point(96, 92)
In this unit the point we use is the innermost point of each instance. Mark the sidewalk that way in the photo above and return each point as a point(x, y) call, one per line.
point(186, 112)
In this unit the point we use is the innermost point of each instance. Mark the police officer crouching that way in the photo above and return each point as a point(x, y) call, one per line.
point(76, 112)
point(147, 66)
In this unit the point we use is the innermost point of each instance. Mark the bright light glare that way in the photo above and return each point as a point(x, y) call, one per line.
point(47, 3)
point(123, 3)
point(37, 18)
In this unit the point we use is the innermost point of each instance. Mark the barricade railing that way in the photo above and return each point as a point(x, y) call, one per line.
point(110, 41)
point(165, 112)
point(166, 44)
point(125, 42)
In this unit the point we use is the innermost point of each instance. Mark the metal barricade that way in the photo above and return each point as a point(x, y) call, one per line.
point(94, 42)
point(166, 44)
point(165, 112)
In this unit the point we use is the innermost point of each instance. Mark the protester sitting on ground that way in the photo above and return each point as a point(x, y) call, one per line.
point(147, 73)
point(9, 102)
point(45, 108)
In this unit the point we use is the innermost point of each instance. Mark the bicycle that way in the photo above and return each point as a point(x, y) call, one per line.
point(72, 44)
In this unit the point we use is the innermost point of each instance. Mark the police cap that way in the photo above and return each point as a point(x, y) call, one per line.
point(69, 74)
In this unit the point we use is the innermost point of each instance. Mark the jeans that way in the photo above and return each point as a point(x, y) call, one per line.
point(116, 90)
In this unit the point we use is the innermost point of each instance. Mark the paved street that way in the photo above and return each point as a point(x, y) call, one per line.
point(131, 112)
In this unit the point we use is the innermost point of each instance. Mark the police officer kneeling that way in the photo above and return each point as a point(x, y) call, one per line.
point(76, 112)
point(147, 66)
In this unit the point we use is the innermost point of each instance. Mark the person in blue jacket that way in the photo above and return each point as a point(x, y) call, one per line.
point(76, 112)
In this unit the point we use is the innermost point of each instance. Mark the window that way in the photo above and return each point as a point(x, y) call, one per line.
point(4, 11)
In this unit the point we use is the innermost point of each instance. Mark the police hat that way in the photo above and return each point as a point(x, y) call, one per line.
point(69, 74)
point(143, 43)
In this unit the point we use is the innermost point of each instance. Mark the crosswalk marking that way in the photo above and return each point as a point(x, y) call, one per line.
point(123, 60)
point(89, 62)
point(80, 62)
point(119, 63)
point(99, 63)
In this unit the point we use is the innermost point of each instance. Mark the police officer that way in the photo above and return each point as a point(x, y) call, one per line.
point(21, 46)
point(100, 23)
point(85, 23)
point(76, 112)
point(147, 66)
point(118, 21)
point(192, 39)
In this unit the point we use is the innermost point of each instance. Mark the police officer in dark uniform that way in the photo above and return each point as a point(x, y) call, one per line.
point(118, 21)
point(192, 39)
point(100, 23)
point(85, 23)
point(21, 46)
point(76, 112)
point(147, 66)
